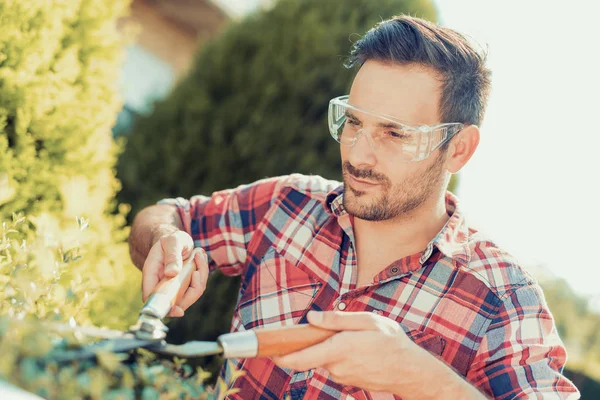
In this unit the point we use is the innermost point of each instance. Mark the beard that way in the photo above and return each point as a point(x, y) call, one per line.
point(395, 200)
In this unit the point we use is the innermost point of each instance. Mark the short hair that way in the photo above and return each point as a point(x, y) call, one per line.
point(406, 40)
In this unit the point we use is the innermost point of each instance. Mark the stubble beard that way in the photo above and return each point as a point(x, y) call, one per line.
point(395, 201)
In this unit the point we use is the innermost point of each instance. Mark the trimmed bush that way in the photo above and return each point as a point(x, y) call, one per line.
point(34, 296)
point(59, 65)
point(59, 69)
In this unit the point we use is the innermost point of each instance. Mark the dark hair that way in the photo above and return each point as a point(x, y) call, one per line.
point(405, 40)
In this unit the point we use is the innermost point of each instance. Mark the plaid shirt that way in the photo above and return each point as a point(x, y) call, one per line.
point(462, 298)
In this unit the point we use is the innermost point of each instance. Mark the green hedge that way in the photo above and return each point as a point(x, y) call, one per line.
point(59, 67)
point(34, 296)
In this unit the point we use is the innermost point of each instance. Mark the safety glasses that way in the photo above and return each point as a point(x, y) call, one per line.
point(386, 135)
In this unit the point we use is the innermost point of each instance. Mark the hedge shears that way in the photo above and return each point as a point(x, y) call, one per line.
point(150, 332)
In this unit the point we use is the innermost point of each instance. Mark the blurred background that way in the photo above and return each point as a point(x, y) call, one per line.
point(162, 98)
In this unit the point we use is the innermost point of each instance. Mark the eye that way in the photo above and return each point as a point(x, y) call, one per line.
point(353, 122)
point(396, 134)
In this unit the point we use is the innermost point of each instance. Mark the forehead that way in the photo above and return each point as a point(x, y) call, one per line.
point(409, 93)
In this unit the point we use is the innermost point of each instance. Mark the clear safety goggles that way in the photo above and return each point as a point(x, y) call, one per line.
point(386, 135)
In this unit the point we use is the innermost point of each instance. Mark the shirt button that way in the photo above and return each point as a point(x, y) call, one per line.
point(342, 306)
point(394, 270)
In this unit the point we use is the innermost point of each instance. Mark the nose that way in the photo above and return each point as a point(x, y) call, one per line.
point(362, 152)
point(364, 133)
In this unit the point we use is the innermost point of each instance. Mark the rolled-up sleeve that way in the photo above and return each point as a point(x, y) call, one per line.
point(223, 223)
point(521, 355)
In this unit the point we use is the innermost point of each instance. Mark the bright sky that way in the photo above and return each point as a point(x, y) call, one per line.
point(532, 184)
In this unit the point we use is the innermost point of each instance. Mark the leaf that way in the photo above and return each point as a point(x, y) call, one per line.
point(119, 394)
point(29, 369)
point(83, 223)
point(128, 379)
point(109, 360)
point(179, 361)
point(236, 373)
point(145, 355)
point(201, 375)
point(150, 393)
point(17, 218)
point(84, 379)
point(222, 388)
point(232, 391)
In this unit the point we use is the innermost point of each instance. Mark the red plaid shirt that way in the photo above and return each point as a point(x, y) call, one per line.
point(462, 298)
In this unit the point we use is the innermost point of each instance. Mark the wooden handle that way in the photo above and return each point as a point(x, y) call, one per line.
point(282, 341)
point(170, 290)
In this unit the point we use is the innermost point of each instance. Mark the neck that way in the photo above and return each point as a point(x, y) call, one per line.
point(403, 235)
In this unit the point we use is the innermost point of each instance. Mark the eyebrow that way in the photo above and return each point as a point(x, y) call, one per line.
point(389, 125)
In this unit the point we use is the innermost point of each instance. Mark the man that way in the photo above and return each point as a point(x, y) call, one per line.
point(425, 306)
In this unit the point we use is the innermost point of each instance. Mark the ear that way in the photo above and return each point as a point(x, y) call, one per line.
point(462, 147)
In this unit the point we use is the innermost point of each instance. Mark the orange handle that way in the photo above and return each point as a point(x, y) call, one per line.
point(169, 290)
point(282, 341)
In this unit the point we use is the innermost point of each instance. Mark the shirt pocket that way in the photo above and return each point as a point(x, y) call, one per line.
point(430, 342)
point(278, 294)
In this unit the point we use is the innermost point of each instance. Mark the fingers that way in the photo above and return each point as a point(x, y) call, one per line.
point(173, 258)
point(197, 283)
point(350, 321)
point(203, 268)
point(165, 260)
point(152, 271)
point(314, 356)
point(176, 312)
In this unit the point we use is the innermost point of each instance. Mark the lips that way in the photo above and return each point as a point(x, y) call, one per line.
point(358, 184)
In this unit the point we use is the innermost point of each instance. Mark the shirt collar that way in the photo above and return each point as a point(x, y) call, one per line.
point(334, 201)
point(451, 241)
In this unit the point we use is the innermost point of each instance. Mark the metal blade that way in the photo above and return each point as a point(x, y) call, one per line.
point(149, 327)
point(120, 342)
point(89, 331)
point(188, 350)
point(118, 345)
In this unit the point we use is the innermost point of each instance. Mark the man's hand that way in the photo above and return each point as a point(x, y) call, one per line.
point(373, 352)
point(367, 353)
point(165, 259)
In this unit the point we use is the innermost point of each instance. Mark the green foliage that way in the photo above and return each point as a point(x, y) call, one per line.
point(254, 105)
point(577, 324)
point(41, 285)
point(59, 65)
point(37, 278)
point(589, 388)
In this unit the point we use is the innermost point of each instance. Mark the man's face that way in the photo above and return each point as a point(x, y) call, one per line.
point(378, 187)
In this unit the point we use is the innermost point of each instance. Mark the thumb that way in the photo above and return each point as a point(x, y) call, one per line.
point(343, 321)
point(172, 250)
